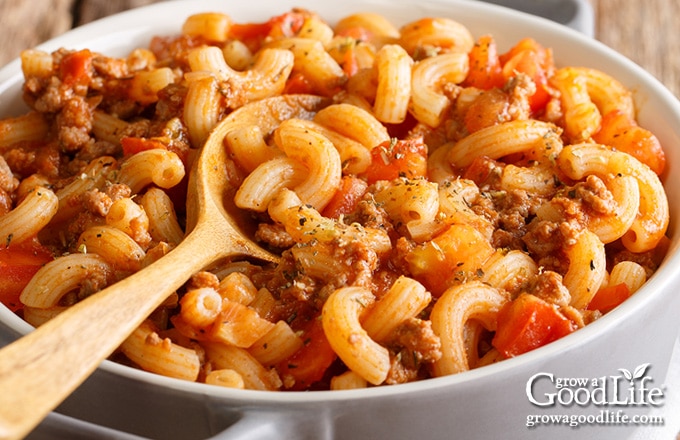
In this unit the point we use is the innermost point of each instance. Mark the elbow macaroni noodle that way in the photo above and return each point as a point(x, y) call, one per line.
point(410, 211)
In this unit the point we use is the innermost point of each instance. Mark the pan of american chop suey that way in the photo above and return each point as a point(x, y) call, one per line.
point(500, 388)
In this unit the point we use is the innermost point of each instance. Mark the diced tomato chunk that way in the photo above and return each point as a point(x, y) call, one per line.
point(527, 323)
point(134, 145)
point(309, 364)
point(18, 264)
point(624, 134)
point(526, 44)
point(346, 197)
point(398, 158)
point(488, 109)
point(254, 34)
point(532, 59)
point(287, 24)
point(459, 249)
point(76, 68)
point(609, 297)
point(486, 71)
point(350, 64)
point(298, 83)
point(481, 170)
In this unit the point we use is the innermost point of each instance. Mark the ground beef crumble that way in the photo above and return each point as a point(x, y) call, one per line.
point(415, 345)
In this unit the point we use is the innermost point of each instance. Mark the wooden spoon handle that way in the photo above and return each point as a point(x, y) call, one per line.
point(38, 371)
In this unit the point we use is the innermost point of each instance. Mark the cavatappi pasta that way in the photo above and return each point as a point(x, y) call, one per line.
point(452, 206)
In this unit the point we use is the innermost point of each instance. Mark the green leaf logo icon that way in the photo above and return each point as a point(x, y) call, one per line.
point(638, 373)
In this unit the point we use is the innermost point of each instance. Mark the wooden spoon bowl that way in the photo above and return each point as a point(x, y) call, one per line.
point(41, 369)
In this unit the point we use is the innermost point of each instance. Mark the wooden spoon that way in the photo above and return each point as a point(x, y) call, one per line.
point(41, 369)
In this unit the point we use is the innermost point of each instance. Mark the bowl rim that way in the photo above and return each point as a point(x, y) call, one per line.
point(134, 24)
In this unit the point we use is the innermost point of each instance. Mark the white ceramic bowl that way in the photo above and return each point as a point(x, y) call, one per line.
point(489, 402)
